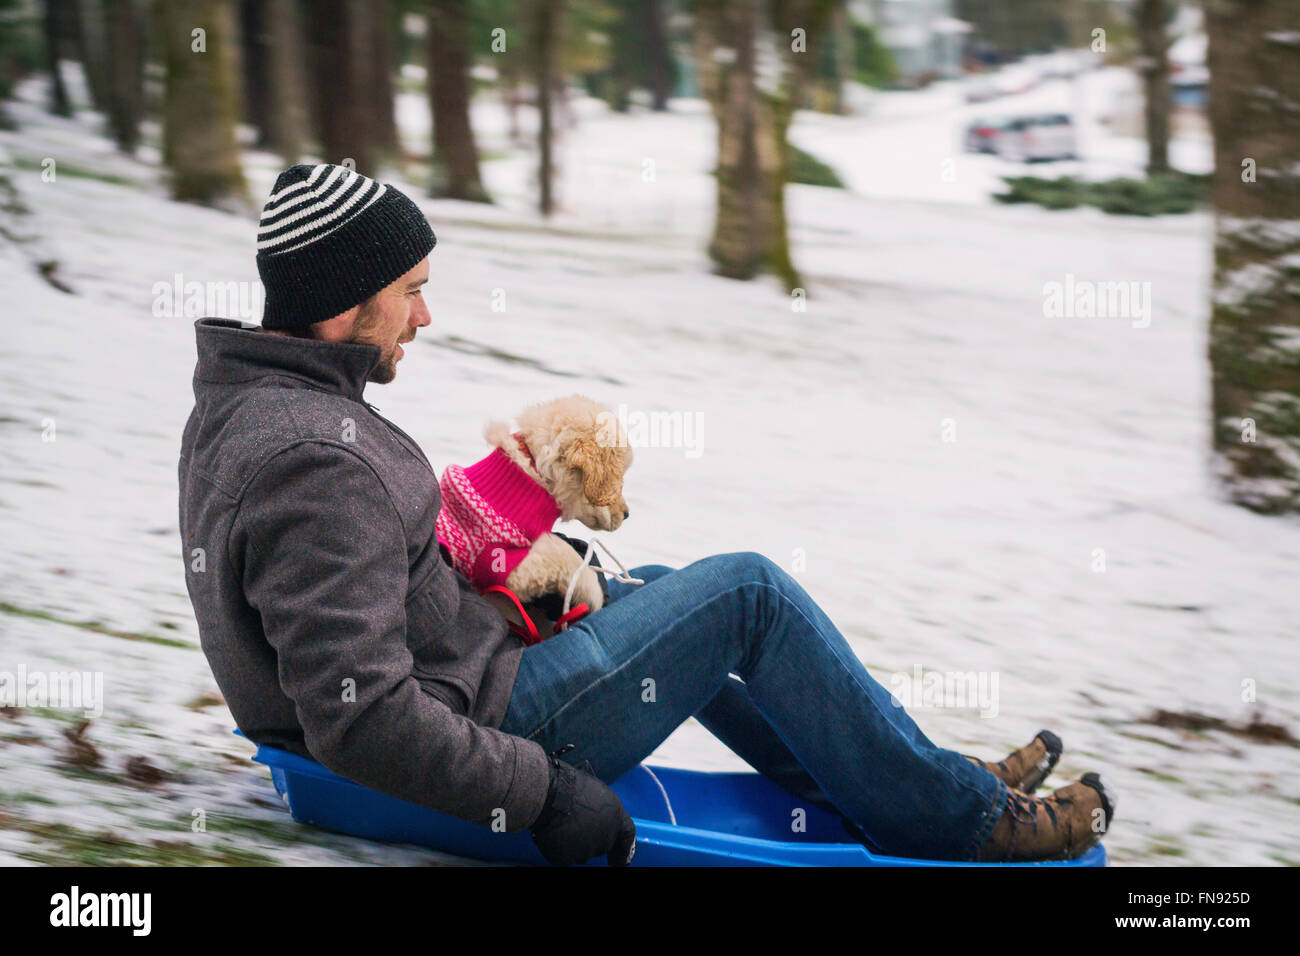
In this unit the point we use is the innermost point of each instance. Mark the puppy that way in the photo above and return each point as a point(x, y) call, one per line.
point(566, 461)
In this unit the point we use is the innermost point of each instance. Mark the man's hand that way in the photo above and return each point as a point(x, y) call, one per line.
point(582, 818)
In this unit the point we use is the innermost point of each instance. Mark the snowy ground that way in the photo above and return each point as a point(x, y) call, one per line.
point(826, 444)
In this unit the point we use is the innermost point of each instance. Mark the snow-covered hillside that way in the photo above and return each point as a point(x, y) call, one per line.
point(964, 483)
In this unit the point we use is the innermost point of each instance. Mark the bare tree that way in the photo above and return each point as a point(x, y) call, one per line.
point(197, 39)
point(377, 21)
point(455, 172)
point(123, 21)
point(255, 56)
point(734, 39)
point(1154, 39)
point(339, 50)
point(1254, 60)
point(658, 56)
point(87, 22)
point(546, 39)
point(54, 26)
point(287, 115)
point(726, 32)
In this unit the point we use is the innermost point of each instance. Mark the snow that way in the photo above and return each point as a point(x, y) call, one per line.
point(1269, 233)
point(1068, 543)
point(912, 146)
point(1239, 286)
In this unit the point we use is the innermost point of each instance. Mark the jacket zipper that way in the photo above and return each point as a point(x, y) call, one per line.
point(407, 441)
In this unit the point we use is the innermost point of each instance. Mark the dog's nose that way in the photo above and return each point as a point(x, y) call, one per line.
point(625, 512)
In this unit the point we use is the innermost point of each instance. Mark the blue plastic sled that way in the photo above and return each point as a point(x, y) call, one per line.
point(683, 818)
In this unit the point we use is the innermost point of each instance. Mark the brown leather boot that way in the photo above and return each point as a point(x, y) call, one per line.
point(1025, 769)
point(1061, 826)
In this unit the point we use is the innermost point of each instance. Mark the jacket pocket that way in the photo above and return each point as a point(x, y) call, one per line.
point(433, 638)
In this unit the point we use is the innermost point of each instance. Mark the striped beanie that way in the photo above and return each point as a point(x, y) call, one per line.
point(330, 238)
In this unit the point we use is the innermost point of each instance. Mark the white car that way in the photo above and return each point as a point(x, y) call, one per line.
point(982, 134)
point(1044, 136)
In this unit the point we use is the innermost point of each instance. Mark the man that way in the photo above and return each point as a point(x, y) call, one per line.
point(336, 629)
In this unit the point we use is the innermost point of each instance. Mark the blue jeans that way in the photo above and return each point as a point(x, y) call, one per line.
point(804, 711)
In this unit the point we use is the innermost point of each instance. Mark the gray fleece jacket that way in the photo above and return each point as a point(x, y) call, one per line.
point(332, 624)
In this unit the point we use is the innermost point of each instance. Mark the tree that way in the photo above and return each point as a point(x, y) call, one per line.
point(20, 49)
point(123, 27)
point(287, 115)
point(455, 170)
point(633, 51)
point(1154, 39)
point(255, 57)
point(200, 105)
point(353, 113)
point(88, 33)
point(753, 108)
point(53, 25)
point(546, 39)
point(1254, 61)
point(379, 25)
point(658, 56)
point(726, 32)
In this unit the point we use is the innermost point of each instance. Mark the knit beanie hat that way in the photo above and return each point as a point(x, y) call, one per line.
point(330, 238)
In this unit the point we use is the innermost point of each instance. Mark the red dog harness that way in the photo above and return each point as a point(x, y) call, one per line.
point(528, 630)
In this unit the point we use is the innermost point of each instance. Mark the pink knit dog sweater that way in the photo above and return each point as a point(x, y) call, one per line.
point(492, 512)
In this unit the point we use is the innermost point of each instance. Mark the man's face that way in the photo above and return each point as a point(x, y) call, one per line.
point(387, 319)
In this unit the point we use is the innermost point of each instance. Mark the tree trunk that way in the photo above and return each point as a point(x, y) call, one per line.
point(776, 112)
point(287, 115)
point(455, 172)
point(54, 25)
point(750, 229)
point(378, 84)
point(546, 39)
point(774, 116)
point(338, 47)
point(841, 37)
point(88, 33)
point(658, 56)
point(255, 56)
point(1254, 60)
point(1153, 17)
point(200, 104)
point(726, 32)
point(122, 23)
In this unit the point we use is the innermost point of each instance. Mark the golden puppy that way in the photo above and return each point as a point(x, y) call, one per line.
point(565, 462)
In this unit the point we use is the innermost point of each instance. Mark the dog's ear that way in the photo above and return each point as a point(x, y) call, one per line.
point(601, 477)
point(496, 433)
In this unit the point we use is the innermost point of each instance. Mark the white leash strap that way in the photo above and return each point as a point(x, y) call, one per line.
point(625, 576)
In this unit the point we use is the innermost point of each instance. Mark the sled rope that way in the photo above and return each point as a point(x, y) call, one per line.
point(672, 817)
point(625, 576)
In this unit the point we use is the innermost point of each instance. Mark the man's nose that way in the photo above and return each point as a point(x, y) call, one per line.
point(420, 316)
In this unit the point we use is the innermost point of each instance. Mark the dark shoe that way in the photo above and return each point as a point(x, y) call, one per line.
point(1062, 826)
point(1025, 769)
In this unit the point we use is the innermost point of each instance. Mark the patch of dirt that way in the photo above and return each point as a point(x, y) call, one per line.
point(1257, 730)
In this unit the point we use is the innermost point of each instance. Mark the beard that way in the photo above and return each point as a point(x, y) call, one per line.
point(385, 369)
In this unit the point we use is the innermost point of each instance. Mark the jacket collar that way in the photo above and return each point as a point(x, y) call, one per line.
point(231, 352)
